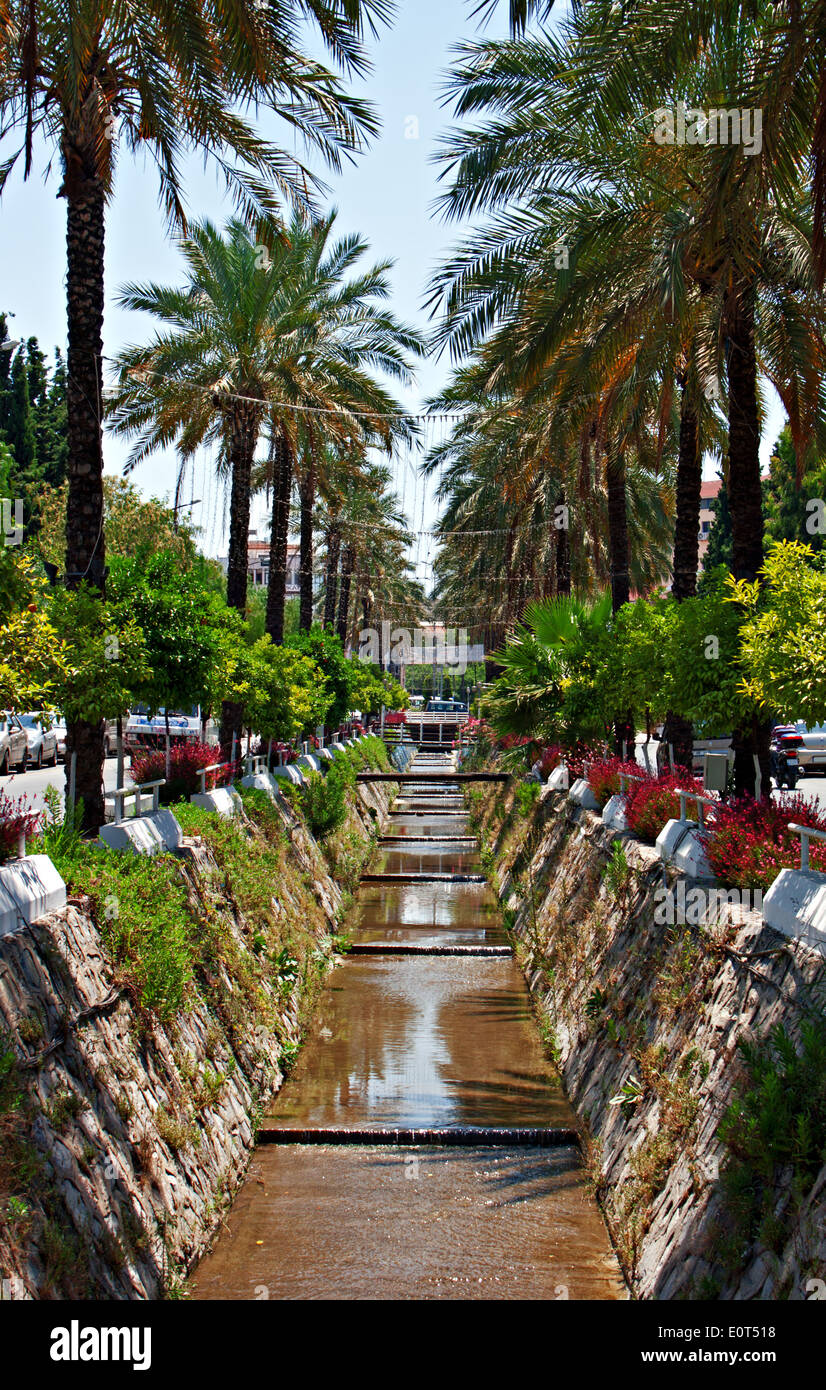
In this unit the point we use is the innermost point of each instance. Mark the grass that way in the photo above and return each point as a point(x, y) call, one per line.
point(142, 911)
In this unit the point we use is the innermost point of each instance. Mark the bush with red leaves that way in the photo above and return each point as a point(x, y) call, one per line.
point(581, 754)
point(549, 759)
point(16, 818)
point(747, 842)
point(281, 753)
point(653, 801)
point(185, 762)
point(604, 776)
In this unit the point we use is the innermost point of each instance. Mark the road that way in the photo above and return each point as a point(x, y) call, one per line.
point(33, 784)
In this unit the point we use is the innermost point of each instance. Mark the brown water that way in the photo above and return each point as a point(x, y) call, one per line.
point(418, 1043)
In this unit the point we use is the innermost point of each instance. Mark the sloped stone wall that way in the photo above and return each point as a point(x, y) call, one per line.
point(136, 1134)
point(658, 1010)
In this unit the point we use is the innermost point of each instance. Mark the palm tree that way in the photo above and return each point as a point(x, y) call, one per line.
point(269, 324)
point(376, 582)
point(94, 76)
point(563, 159)
point(541, 652)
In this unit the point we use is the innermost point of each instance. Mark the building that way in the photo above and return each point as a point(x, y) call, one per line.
point(708, 492)
point(258, 566)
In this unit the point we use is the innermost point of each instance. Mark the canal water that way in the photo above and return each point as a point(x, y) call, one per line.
point(423, 1147)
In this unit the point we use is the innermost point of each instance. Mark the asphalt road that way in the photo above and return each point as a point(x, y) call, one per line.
point(33, 784)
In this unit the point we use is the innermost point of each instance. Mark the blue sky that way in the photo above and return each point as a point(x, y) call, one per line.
point(387, 197)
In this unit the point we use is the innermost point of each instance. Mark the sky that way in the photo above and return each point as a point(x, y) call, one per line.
point(387, 197)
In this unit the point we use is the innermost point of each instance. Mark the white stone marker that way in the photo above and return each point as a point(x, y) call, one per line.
point(29, 888)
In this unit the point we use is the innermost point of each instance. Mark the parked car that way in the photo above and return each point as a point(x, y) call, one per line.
point(58, 727)
point(14, 745)
point(42, 740)
point(811, 753)
point(110, 736)
point(701, 745)
point(446, 707)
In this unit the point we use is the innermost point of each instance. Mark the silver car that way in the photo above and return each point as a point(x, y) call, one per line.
point(14, 745)
point(811, 755)
point(42, 740)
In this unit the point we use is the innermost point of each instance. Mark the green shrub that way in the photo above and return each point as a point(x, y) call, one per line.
point(324, 799)
point(527, 795)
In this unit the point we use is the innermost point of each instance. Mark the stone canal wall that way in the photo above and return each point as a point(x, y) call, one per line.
point(125, 1131)
point(646, 1022)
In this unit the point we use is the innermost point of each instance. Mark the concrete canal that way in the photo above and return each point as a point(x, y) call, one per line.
point(423, 1147)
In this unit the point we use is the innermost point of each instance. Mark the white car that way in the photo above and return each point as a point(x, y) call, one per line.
point(14, 746)
point(59, 731)
point(41, 739)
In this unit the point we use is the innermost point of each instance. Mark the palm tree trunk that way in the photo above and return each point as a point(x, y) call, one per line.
point(617, 529)
point(331, 577)
point(85, 549)
point(347, 565)
point(679, 732)
point(687, 522)
point(244, 424)
point(563, 555)
point(279, 536)
point(620, 587)
point(745, 505)
point(744, 492)
point(307, 496)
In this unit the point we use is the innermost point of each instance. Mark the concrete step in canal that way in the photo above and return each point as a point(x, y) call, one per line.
point(423, 1147)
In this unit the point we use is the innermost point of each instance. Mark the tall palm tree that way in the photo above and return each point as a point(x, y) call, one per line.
point(95, 76)
point(372, 578)
point(270, 324)
point(559, 141)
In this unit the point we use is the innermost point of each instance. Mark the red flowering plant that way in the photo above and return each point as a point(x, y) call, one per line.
point(17, 818)
point(604, 776)
point(654, 800)
point(186, 761)
point(549, 759)
point(748, 842)
point(581, 755)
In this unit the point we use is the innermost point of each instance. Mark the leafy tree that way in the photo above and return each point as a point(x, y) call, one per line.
point(783, 653)
point(32, 657)
point(786, 515)
point(32, 422)
point(192, 637)
point(339, 675)
point(703, 674)
point(633, 673)
point(281, 690)
point(105, 651)
point(373, 688)
point(134, 526)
